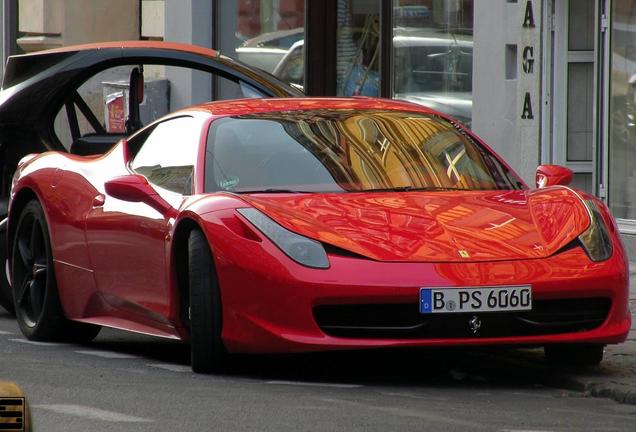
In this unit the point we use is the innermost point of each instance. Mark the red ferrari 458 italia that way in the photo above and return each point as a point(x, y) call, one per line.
point(305, 224)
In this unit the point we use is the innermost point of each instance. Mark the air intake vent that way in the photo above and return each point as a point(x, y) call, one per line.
point(403, 321)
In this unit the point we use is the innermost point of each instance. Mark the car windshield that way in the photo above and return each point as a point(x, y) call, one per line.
point(347, 151)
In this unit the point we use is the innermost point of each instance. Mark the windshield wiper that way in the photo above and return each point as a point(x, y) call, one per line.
point(270, 190)
point(413, 188)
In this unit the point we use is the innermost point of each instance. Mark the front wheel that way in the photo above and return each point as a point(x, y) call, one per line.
point(575, 354)
point(35, 296)
point(208, 355)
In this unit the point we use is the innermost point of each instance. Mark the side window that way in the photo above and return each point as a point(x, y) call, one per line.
point(169, 153)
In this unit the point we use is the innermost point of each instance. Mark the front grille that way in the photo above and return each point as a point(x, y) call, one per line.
point(403, 321)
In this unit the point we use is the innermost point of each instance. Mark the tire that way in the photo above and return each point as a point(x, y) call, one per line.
point(574, 354)
point(35, 296)
point(208, 355)
point(6, 296)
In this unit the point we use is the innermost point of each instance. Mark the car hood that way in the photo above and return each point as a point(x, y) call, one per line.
point(434, 226)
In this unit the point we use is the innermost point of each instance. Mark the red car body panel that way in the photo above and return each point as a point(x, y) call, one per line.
point(432, 227)
point(115, 260)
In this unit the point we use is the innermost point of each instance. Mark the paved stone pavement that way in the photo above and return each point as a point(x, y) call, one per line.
point(616, 377)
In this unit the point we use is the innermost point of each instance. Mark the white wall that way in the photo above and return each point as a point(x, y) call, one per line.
point(55, 23)
point(188, 21)
point(497, 101)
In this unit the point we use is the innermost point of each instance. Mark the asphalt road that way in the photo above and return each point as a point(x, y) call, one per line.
point(136, 383)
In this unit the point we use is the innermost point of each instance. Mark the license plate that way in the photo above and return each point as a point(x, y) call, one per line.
point(483, 299)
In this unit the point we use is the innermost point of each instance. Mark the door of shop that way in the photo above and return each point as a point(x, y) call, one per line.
point(578, 70)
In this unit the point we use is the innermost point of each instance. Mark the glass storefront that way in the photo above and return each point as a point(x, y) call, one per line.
point(358, 48)
point(433, 54)
point(432, 48)
point(266, 30)
point(622, 144)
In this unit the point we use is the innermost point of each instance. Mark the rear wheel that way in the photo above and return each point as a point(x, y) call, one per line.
point(35, 296)
point(575, 354)
point(208, 355)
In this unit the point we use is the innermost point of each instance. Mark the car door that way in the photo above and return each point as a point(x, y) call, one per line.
point(128, 241)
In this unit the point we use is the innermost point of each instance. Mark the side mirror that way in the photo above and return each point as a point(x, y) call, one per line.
point(135, 188)
point(551, 175)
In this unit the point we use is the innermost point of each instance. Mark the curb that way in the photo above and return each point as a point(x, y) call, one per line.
point(618, 393)
point(611, 382)
point(602, 382)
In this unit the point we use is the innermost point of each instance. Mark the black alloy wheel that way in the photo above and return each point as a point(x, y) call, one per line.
point(37, 305)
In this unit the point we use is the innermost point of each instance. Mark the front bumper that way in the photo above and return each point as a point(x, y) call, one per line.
point(269, 301)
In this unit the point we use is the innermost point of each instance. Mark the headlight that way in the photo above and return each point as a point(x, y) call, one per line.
point(596, 240)
point(304, 251)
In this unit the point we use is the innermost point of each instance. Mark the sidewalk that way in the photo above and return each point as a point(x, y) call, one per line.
point(616, 377)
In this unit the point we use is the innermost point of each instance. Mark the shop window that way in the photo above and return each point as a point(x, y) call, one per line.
point(580, 111)
point(433, 54)
point(358, 48)
point(580, 19)
point(622, 148)
point(266, 30)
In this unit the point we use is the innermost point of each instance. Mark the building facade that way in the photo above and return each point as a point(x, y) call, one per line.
point(542, 81)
